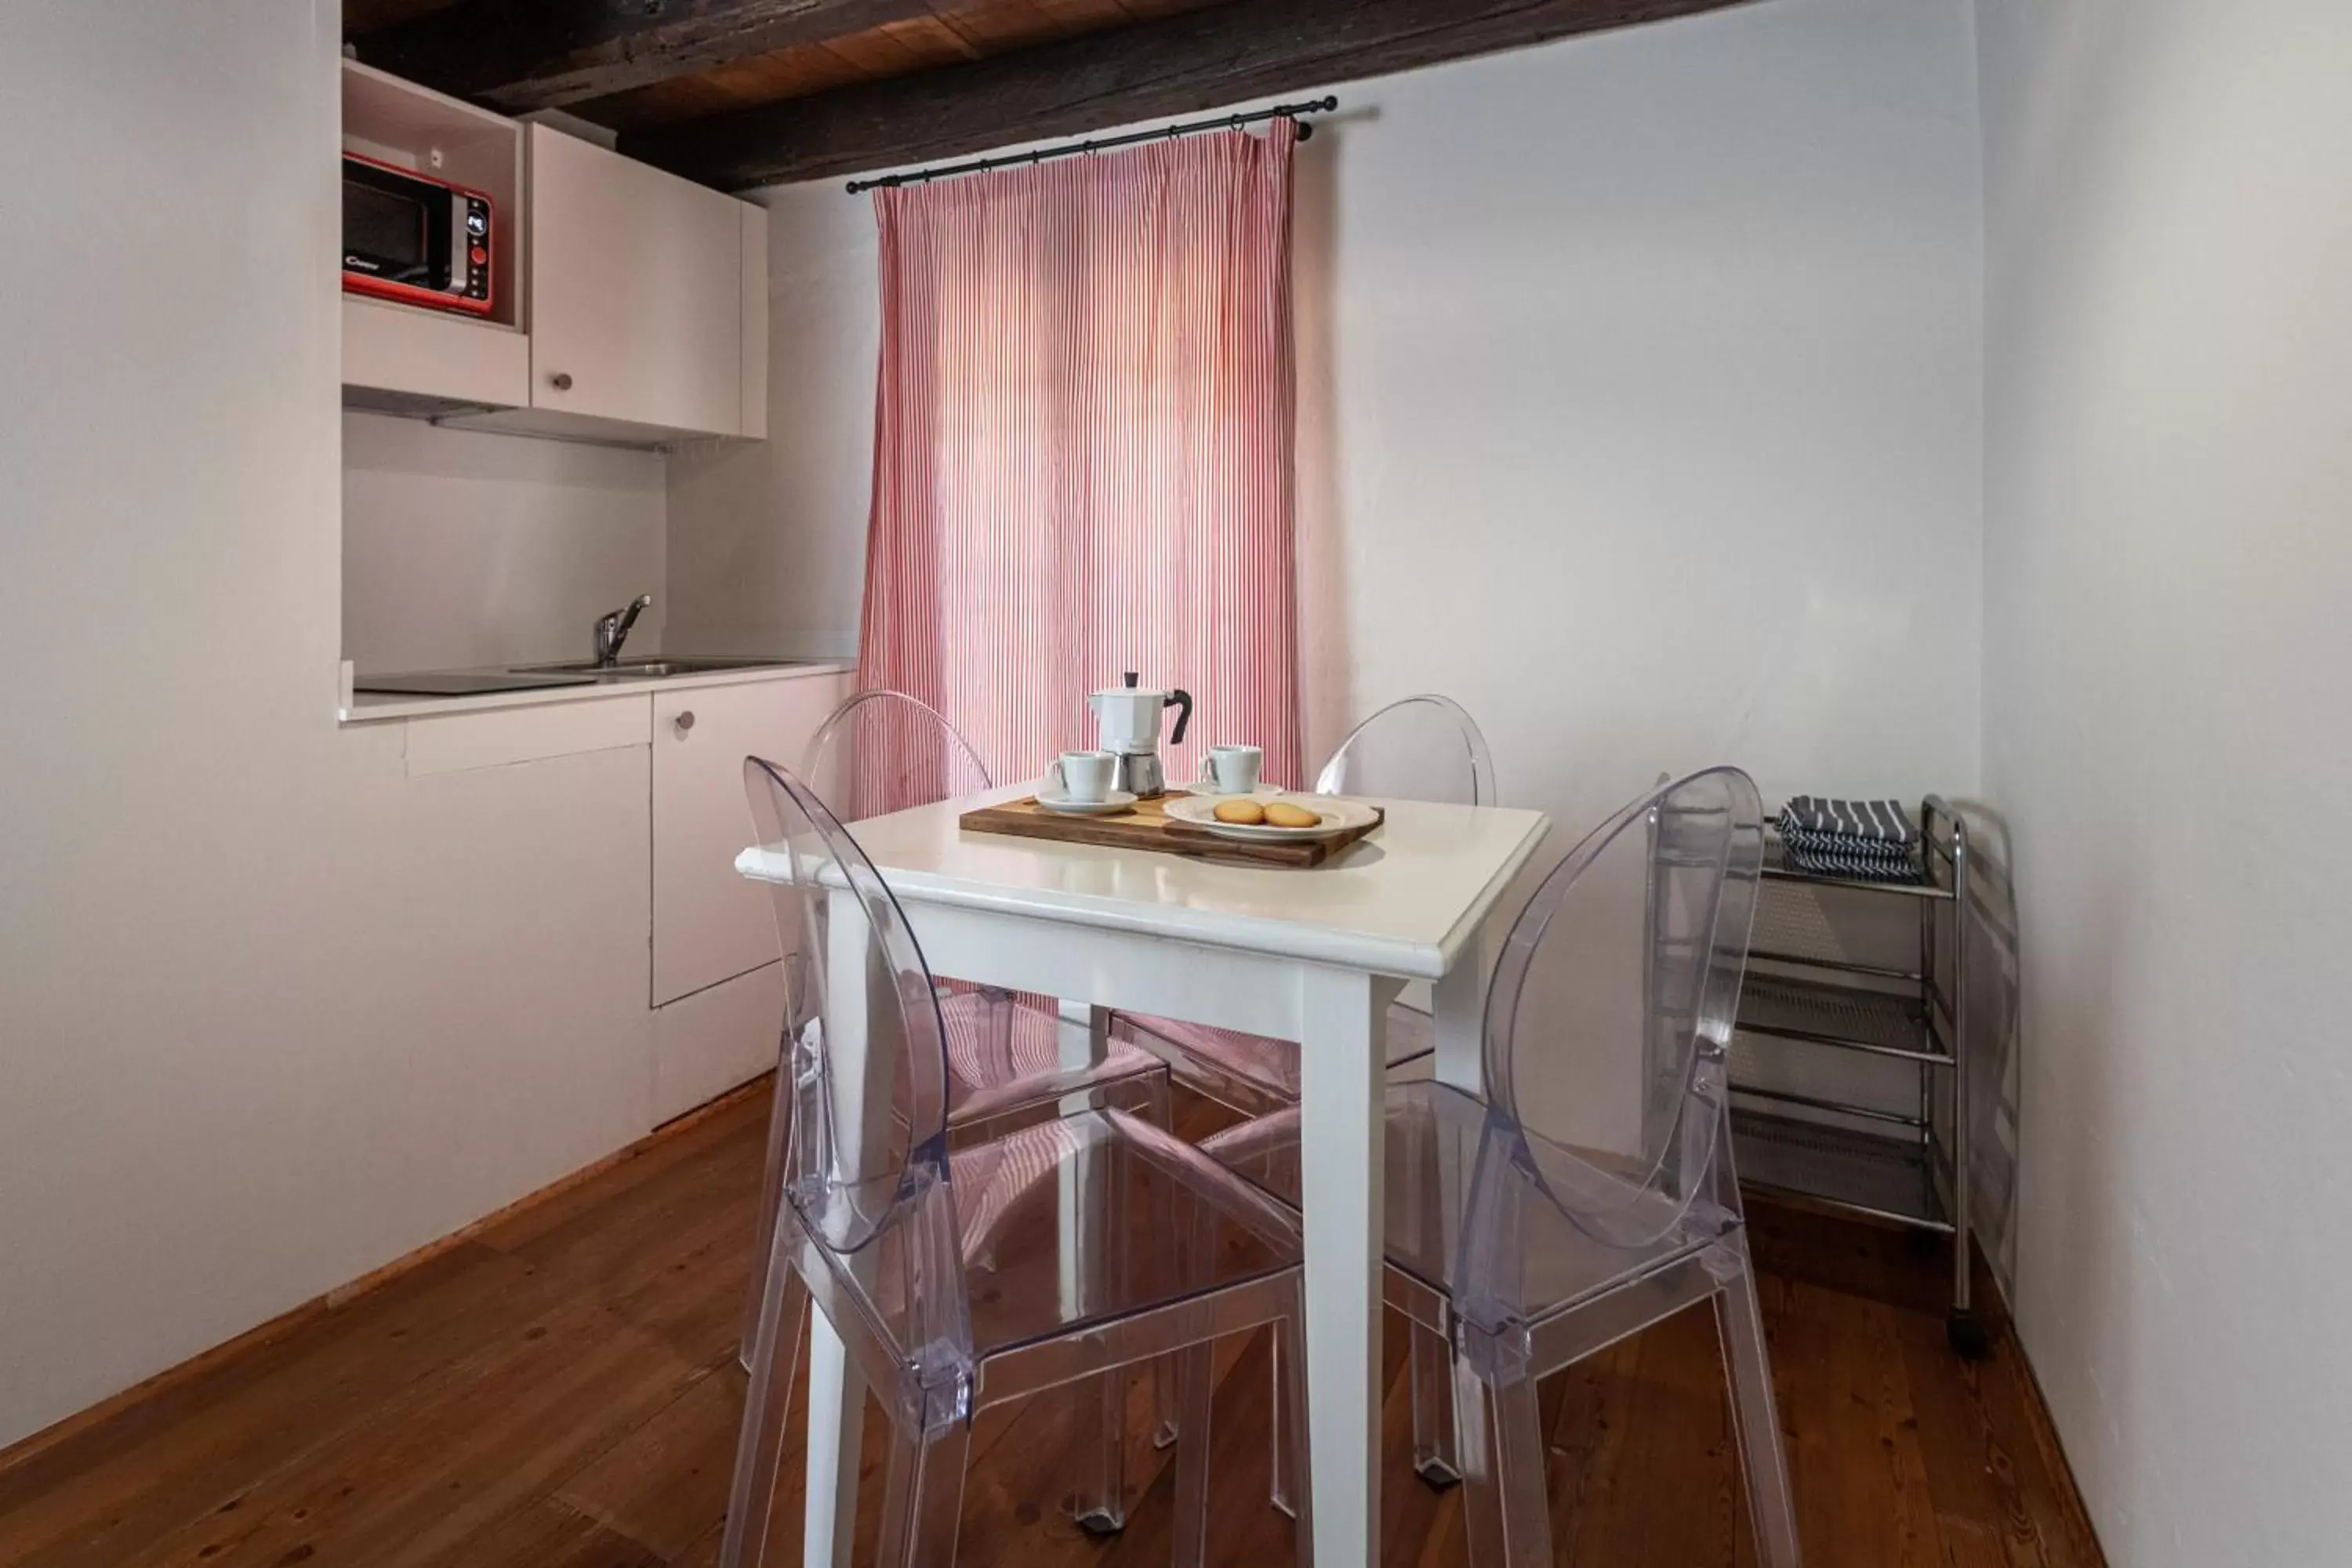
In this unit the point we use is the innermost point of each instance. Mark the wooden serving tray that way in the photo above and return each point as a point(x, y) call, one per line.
point(1148, 828)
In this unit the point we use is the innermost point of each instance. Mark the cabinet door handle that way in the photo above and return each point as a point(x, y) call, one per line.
point(561, 381)
point(684, 721)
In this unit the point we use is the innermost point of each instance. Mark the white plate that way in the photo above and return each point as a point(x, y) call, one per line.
point(1337, 816)
point(1119, 800)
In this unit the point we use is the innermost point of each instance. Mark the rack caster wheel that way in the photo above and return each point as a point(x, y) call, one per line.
point(1969, 1338)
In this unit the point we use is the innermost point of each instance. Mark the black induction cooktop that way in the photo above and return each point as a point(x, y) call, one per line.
point(454, 685)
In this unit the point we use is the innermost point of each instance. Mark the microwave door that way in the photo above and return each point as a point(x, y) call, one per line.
point(387, 235)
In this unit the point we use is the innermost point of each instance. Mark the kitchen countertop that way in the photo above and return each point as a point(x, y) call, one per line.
point(373, 707)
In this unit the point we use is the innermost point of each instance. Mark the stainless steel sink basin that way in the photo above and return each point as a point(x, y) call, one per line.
point(655, 666)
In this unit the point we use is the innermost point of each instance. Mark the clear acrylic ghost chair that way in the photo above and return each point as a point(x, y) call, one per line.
point(1421, 748)
point(1592, 1194)
point(883, 750)
point(958, 1278)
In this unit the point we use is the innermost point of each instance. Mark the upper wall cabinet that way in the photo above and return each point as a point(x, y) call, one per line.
point(639, 304)
point(648, 301)
point(640, 287)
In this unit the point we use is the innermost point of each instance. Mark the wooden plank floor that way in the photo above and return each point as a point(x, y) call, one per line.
point(560, 1392)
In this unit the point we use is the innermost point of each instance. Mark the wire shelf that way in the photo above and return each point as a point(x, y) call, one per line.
point(1780, 868)
point(1883, 1024)
point(1888, 1178)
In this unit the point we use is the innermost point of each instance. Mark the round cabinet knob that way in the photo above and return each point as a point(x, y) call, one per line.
point(684, 721)
point(561, 381)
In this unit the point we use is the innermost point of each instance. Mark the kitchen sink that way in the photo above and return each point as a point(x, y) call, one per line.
point(654, 667)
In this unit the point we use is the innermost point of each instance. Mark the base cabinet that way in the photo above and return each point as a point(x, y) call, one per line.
point(709, 924)
point(706, 1044)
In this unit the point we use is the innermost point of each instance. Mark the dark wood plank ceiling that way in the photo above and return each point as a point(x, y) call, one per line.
point(636, 63)
point(744, 92)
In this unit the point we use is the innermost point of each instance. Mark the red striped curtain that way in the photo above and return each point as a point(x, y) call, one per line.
point(1083, 453)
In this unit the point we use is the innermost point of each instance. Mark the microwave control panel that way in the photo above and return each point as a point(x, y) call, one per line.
point(477, 240)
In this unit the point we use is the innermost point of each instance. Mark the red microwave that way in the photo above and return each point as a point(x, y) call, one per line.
point(413, 238)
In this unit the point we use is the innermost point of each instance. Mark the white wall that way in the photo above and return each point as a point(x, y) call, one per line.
point(2168, 619)
point(271, 1013)
point(464, 549)
point(1640, 407)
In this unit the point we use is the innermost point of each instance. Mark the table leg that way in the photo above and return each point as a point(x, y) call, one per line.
point(1460, 1014)
point(862, 1087)
point(1342, 1128)
point(838, 1405)
point(1084, 1040)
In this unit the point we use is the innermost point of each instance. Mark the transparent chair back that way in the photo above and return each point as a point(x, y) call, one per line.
point(883, 750)
point(1421, 748)
point(1609, 1019)
point(866, 1165)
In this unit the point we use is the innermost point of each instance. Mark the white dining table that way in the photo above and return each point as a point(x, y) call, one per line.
point(1312, 955)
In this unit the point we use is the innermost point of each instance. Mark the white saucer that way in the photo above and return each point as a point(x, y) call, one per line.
point(1117, 801)
point(1333, 816)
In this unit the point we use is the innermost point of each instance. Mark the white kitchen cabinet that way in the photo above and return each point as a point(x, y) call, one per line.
point(399, 359)
point(631, 305)
point(709, 924)
point(721, 1036)
point(642, 286)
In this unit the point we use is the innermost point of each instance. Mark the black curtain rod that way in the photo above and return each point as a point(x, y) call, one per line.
point(1165, 133)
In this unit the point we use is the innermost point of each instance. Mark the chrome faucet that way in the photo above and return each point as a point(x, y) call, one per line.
point(613, 630)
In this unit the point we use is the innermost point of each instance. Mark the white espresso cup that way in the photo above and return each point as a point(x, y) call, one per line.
point(1232, 770)
point(1082, 776)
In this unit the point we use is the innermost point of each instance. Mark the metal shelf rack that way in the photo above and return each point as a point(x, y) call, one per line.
point(1906, 1169)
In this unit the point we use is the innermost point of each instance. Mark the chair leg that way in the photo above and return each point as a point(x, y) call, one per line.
point(922, 1501)
point(1289, 1456)
point(1191, 1372)
point(1756, 1418)
point(1099, 1404)
point(1165, 1401)
point(782, 1329)
point(1473, 1451)
point(1166, 1398)
point(1505, 1509)
point(1098, 1411)
point(1434, 1455)
point(771, 1198)
point(1291, 1386)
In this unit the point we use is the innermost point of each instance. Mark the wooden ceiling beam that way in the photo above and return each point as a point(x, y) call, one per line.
point(520, 55)
point(1183, 64)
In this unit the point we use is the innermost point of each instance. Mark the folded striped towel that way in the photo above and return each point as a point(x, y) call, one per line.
point(1876, 821)
point(1865, 847)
